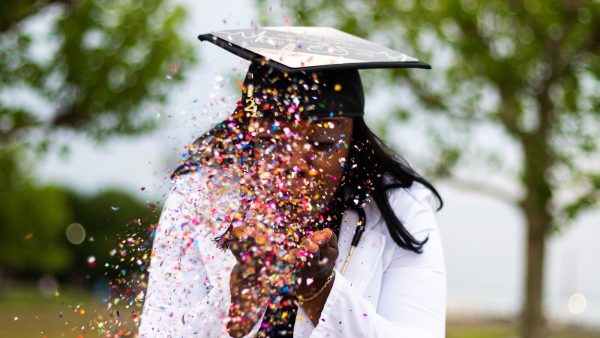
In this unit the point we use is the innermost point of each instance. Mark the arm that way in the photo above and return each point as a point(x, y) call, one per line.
point(413, 291)
point(188, 288)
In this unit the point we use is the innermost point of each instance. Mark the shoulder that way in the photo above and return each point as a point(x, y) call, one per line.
point(206, 182)
point(205, 179)
point(415, 207)
point(413, 198)
point(208, 197)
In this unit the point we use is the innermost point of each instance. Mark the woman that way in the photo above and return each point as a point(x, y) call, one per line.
point(263, 216)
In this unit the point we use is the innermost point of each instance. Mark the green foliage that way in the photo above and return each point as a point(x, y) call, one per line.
point(83, 66)
point(32, 219)
point(33, 223)
point(12, 172)
point(35, 219)
point(98, 66)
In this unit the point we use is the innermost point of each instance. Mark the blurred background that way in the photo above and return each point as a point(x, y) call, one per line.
point(99, 99)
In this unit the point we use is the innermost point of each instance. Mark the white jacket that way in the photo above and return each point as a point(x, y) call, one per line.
point(387, 291)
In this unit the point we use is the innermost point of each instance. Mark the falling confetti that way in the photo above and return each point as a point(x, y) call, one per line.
point(255, 151)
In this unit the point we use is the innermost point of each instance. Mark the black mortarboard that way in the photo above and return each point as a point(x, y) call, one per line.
point(286, 58)
point(307, 48)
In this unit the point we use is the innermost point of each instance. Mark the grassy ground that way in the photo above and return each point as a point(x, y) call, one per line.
point(483, 329)
point(25, 313)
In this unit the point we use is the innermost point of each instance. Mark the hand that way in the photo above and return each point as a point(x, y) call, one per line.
point(255, 278)
point(259, 264)
point(248, 299)
point(258, 274)
point(316, 267)
point(317, 256)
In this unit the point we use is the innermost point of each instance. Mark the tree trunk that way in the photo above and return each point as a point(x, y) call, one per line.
point(533, 323)
point(536, 207)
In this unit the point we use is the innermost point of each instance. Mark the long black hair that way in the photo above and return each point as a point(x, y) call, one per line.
point(373, 169)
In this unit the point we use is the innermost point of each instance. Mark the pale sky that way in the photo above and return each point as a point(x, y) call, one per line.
point(483, 238)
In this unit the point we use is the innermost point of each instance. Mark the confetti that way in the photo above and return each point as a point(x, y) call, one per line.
point(262, 165)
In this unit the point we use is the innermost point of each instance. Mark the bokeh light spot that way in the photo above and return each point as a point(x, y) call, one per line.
point(577, 303)
point(75, 233)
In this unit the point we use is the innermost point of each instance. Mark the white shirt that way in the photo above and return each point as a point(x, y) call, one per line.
point(387, 291)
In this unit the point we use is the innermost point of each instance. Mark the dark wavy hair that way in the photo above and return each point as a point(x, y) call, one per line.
point(372, 168)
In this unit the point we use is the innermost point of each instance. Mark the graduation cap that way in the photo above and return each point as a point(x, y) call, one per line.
point(292, 49)
point(287, 56)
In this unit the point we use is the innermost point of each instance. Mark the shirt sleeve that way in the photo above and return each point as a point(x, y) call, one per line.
point(188, 286)
point(412, 301)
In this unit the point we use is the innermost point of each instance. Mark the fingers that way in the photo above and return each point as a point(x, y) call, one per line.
point(324, 234)
point(311, 246)
point(316, 240)
point(317, 251)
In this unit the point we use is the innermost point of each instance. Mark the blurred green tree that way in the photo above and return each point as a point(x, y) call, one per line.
point(33, 228)
point(32, 220)
point(35, 219)
point(94, 69)
point(97, 68)
point(529, 69)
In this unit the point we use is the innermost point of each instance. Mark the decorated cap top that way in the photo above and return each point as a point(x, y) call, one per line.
point(292, 49)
